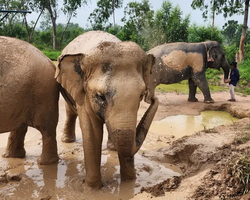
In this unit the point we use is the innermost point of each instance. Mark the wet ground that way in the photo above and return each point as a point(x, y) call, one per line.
point(27, 180)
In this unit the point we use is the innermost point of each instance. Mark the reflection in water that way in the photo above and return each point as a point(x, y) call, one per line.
point(66, 179)
point(182, 125)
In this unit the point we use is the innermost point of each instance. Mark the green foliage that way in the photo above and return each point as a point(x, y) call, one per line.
point(244, 70)
point(52, 55)
point(99, 18)
point(213, 76)
point(244, 83)
point(136, 16)
point(14, 30)
point(227, 7)
point(166, 27)
point(232, 32)
point(241, 170)
point(202, 34)
point(230, 52)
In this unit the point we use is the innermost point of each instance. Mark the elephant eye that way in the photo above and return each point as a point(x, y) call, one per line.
point(101, 98)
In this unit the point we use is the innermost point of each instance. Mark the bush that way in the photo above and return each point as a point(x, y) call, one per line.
point(213, 76)
point(230, 52)
point(52, 55)
point(244, 69)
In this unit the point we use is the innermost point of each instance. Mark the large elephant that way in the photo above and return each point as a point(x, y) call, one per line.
point(107, 79)
point(29, 96)
point(180, 61)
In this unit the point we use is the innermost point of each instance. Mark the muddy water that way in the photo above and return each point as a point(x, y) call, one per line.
point(181, 125)
point(65, 179)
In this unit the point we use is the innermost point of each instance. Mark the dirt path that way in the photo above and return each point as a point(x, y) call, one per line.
point(191, 156)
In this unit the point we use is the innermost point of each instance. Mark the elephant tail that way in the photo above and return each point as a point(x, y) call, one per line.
point(67, 97)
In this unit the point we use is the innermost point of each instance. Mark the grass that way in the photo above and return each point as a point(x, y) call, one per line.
point(184, 89)
point(241, 169)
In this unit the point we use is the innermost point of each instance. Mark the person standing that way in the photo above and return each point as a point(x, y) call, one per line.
point(233, 80)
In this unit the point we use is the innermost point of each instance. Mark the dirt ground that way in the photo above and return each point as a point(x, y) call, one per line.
point(191, 167)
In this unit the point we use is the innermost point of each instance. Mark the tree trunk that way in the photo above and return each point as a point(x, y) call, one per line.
point(113, 10)
point(53, 20)
point(243, 34)
point(54, 33)
point(30, 34)
point(27, 28)
point(63, 33)
point(212, 26)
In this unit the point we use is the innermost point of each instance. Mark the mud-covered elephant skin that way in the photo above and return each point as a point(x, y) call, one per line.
point(180, 61)
point(107, 79)
point(28, 97)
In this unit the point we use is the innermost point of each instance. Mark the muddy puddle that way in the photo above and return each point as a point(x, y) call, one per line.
point(181, 125)
point(65, 179)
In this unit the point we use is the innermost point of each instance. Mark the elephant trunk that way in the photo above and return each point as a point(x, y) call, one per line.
point(143, 126)
point(128, 141)
point(226, 70)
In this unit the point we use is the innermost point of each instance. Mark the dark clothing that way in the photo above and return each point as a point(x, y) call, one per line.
point(234, 76)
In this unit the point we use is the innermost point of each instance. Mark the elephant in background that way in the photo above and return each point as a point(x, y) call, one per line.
point(107, 79)
point(180, 61)
point(29, 96)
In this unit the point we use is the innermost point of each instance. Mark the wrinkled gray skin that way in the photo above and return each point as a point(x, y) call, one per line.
point(180, 61)
point(28, 97)
point(107, 79)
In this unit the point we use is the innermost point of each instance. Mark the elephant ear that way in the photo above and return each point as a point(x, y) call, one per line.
point(70, 75)
point(210, 54)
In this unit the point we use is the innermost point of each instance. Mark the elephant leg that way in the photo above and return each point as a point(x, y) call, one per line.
point(127, 168)
point(49, 150)
point(110, 144)
point(192, 91)
point(92, 133)
point(69, 126)
point(202, 83)
point(15, 146)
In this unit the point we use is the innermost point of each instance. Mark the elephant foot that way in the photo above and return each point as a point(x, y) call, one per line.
point(47, 159)
point(193, 99)
point(66, 138)
point(93, 183)
point(209, 101)
point(20, 153)
point(127, 169)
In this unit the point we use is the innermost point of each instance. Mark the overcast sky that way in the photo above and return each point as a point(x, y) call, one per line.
point(185, 6)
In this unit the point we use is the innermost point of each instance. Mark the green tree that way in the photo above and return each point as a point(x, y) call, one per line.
point(230, 31)
point(167, 26)
point(227, 7)
point(136, 17)
point(202, 34)
point(99, 18)
point(69, 8)
point(72, 31)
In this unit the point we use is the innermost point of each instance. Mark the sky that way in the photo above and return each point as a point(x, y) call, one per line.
point(185, 6)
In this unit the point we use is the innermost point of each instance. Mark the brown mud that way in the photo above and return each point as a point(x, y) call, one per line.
point(191, 158)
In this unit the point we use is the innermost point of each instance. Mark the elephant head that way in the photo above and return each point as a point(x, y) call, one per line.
point(216, 57)
point(107, 82)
